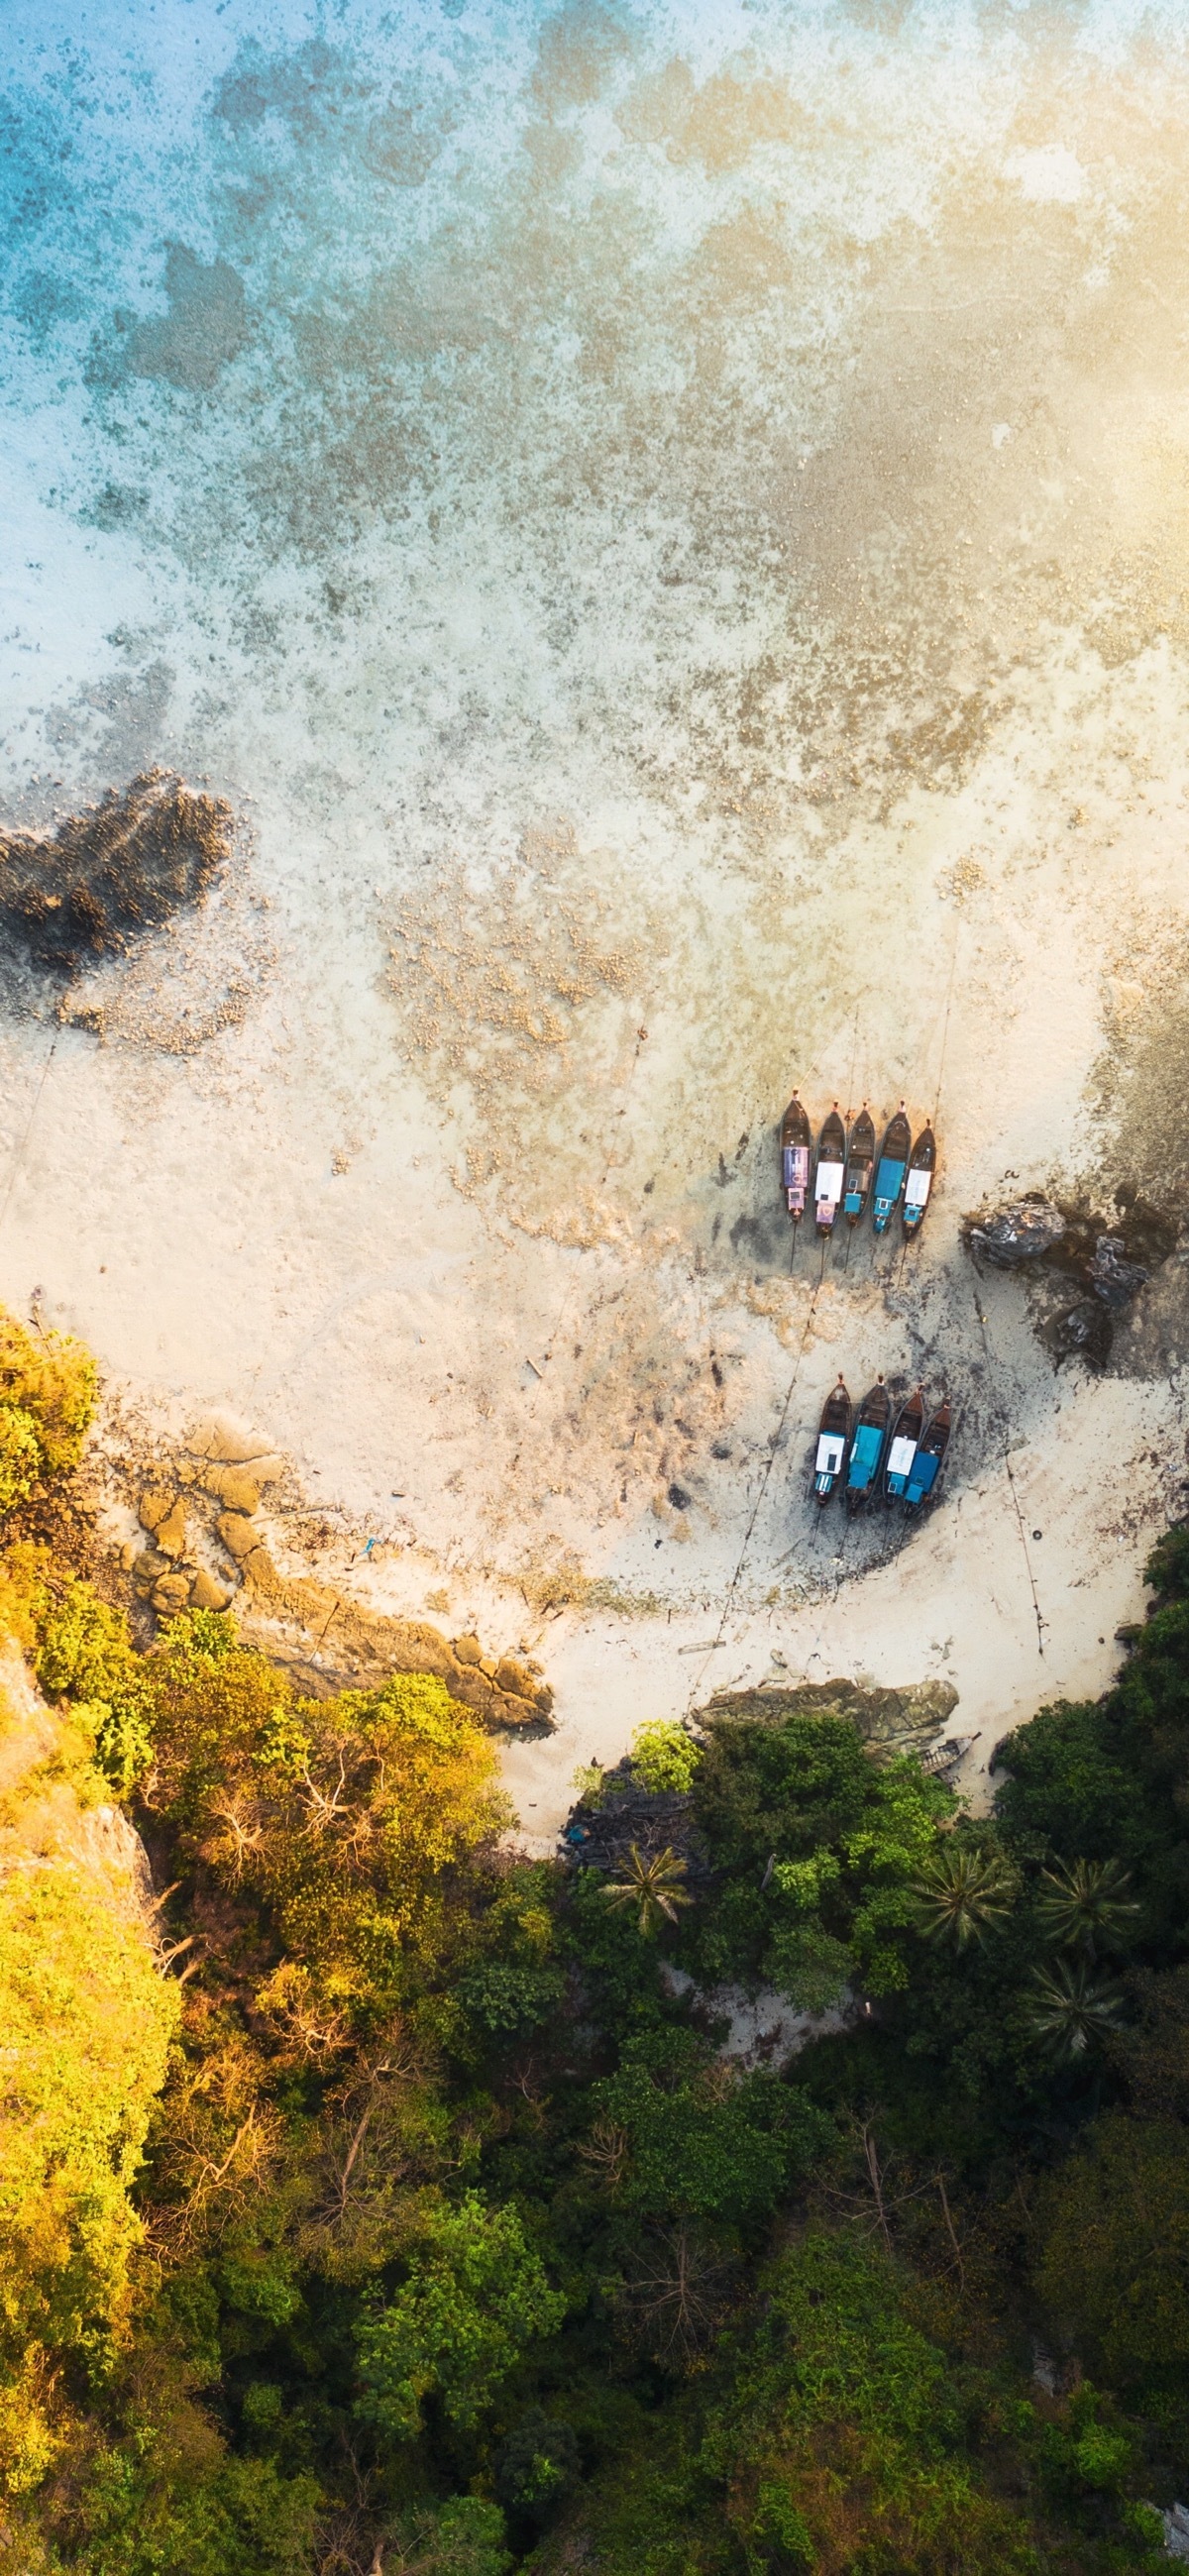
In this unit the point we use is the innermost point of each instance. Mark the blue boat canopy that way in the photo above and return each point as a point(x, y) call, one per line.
point(864, 1456)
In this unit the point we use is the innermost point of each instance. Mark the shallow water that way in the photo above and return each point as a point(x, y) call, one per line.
point(669, 525)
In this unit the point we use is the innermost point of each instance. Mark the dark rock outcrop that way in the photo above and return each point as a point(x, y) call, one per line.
point(1013, 1235)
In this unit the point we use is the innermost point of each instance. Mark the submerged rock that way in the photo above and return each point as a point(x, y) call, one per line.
point(103, 877)
point(1016, 1234)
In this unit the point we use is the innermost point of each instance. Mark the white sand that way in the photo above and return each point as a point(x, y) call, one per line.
point(685, 536)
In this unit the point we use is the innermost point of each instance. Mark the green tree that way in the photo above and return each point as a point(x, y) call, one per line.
point(47, 1398)
point(842, 2444)
point(85, 1653)
point(1070, 2009)
point(475, 2298)
point(665, 1755)
point(675, 2135)
point(1085, 1906)
point(963, 1893)
point(1114, 2261)
point(652, 1887)
point(463, 2537)
point(817, 1850)
point(87, 2021)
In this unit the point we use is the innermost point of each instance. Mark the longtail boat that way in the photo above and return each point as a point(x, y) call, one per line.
point(860, 1163)
point(922, 1163)
point(893, 1164)
point(831, 1169)
point(929, 1460)
point(796, 1147)
point(866, 1447)
point(903, 1446)
point(832, 1437)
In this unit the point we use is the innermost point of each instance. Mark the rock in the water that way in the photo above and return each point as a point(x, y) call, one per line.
point(1115, 1280)
point(1085, 1333)
point(108, 874)
point(1015, 1234)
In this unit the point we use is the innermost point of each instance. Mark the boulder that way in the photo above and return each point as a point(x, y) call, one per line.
point(468, 1650)
point(170, 1533)
point(171, 1594)
point(1113, 1279)
point(903, 1718)
point(511, 1676)
point(154, 1507)
point(233, 1486)
point(1016, 1234)
point(1085, 1332)
point(206, 1594)
point(239, 1534)
point(505, 1710)
point(148, 1569)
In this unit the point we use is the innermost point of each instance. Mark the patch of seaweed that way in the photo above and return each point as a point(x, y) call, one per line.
point(102, 877)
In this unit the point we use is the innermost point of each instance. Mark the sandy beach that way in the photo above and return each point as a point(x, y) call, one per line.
point(667, 535)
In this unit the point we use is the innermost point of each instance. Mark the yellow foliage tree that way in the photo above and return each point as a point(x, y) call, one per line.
point(86, 2022)
point(47, 1398)
point(345, 1816)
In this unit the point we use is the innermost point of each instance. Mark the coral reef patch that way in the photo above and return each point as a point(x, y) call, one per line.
point(104, 876)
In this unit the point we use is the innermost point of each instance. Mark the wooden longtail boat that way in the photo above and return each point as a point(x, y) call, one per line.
point(927, 1465)
point(830, 1173)
point(892, 1166)
point(796, 1148)
point(903, 1446)
point(866, 1448)
point(860, 1163)
point(922, 1163)
point(833, 1434)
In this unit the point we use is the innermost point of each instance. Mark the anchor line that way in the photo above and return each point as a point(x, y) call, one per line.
point(1041, 1623)
point(770, 1461)
point(19, 1157)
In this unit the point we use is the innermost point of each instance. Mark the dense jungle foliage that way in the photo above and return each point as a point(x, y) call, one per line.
point(380, 2201)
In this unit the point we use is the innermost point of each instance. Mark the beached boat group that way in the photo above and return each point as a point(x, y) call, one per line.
point(848, 1174)
point(876, 1455)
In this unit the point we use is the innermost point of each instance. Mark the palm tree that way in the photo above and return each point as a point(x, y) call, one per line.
point(961, 1892)
point(652, 1886)
point(1070, 2010)
point(1086, 1904)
